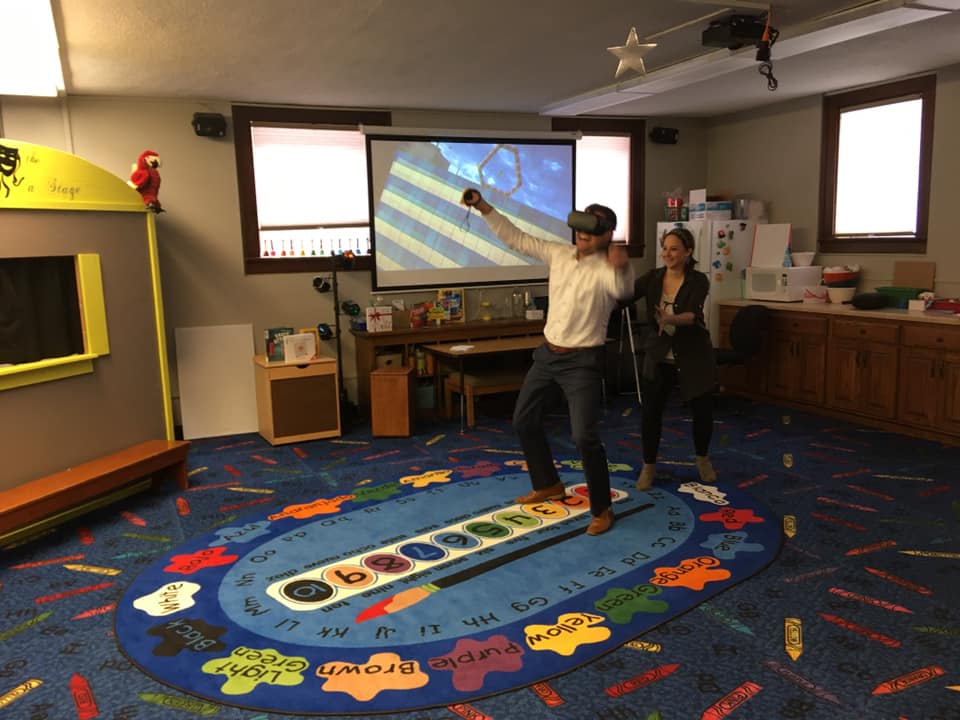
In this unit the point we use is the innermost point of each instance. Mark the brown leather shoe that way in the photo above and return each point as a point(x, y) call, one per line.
point(554, 492)
point(601, 523)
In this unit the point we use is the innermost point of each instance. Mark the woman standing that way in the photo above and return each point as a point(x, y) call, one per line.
point(679, 352)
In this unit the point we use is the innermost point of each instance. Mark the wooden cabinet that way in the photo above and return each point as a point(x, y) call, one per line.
point(297, 402)
point(393, 404)
point(862, 364)
point(889, 369)
point(405, 340)
point(796, 358)
point(930, 378)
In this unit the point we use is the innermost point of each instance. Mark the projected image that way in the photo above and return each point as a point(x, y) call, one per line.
point(422, 235)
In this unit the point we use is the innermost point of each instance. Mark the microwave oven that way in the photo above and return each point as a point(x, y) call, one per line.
point(781, 284)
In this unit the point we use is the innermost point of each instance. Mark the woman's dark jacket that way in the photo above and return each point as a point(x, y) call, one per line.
point(691, 344)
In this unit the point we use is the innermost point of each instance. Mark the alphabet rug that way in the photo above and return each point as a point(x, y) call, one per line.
point(432, 589)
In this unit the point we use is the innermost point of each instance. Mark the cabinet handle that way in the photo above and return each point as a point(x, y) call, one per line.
point(933, 370)
point(941, 370)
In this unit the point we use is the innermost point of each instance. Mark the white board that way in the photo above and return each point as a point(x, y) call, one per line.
point(217, 384)
point(770, 243)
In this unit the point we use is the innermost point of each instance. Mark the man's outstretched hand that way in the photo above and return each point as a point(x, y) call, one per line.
point(473, 198)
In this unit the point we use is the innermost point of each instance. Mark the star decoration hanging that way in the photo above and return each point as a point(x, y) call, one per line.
point(631, 54)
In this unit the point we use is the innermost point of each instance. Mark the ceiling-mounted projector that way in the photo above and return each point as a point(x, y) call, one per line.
point(734, 31)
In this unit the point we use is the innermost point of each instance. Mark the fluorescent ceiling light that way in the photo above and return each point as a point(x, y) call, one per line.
point(845, 25)
point(590, 102)
point(31, 51)
point(937, 4)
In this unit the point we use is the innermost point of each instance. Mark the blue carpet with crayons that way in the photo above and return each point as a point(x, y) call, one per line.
point(363, 575)
point(432, 589)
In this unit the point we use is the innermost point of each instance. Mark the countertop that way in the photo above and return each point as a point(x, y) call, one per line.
point(845, 310)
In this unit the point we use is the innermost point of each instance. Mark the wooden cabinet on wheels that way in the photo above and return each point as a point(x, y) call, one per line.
point(296, 403)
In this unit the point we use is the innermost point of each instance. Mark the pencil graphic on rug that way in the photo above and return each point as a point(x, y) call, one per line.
point(408, 598)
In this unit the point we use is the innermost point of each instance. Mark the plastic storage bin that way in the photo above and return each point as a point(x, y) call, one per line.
point(897, 297)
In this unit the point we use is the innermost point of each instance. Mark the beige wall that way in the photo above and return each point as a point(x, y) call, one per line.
point(774, 154)
point(669, 168)
point(199, 232)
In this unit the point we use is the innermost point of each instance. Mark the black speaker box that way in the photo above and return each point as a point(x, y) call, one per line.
point(869, 301)
point(209, 124)
point(665, 135)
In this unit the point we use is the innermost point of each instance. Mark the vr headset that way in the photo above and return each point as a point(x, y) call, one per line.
point(588, 223)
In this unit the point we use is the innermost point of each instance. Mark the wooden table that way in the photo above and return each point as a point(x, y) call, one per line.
point(406, 340)
point(473, 349)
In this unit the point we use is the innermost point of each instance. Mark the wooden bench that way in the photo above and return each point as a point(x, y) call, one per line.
point(33, 505)
point(479, 384)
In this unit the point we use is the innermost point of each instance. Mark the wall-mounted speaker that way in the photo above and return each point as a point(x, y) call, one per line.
point(209, 124)
point(665, 135)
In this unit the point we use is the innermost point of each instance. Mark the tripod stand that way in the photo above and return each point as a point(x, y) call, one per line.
point(349, 413)
point(626, 328)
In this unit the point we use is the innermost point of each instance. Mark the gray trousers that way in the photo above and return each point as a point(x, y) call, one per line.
point(579, 375)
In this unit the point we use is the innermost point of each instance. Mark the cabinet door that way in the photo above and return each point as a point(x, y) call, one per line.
point(919, 387)
point(810, 381)
point(783, 366)
point(878, 380)
point(949, 376)
point(844, 375)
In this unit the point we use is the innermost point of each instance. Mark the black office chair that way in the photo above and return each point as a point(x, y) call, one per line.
point(747, 332)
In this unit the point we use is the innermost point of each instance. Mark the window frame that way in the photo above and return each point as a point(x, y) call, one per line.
point(244, 116)
point(636, 131)
point(923, 88)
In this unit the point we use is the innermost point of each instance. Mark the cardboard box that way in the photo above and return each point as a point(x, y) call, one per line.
point(379, 318)
point(712, 210)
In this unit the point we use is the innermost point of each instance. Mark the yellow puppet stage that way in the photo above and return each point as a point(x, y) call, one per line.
point(60, 412)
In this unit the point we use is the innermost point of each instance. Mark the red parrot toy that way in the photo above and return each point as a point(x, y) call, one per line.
point(145, 178)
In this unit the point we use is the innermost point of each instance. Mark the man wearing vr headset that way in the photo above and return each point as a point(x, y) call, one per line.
point(585, 285)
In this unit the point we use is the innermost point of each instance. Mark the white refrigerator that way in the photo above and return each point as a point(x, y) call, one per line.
point(723, 249)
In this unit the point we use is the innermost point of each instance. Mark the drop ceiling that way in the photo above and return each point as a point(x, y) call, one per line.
point(527, 56)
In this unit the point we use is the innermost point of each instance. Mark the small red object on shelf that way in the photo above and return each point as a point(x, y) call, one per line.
point(952, 305)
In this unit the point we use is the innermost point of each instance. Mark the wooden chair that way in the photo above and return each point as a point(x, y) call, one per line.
point(476, 385)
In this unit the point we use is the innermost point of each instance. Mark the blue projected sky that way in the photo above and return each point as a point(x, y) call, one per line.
point(544, 172)
point(421, 231)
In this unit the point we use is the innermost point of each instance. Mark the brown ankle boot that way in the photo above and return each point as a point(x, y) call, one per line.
point(707, 473)
point(555, 492)
point(647, 476)
point(599, 524)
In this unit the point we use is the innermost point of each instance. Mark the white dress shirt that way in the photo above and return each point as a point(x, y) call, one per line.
point(583, 291)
